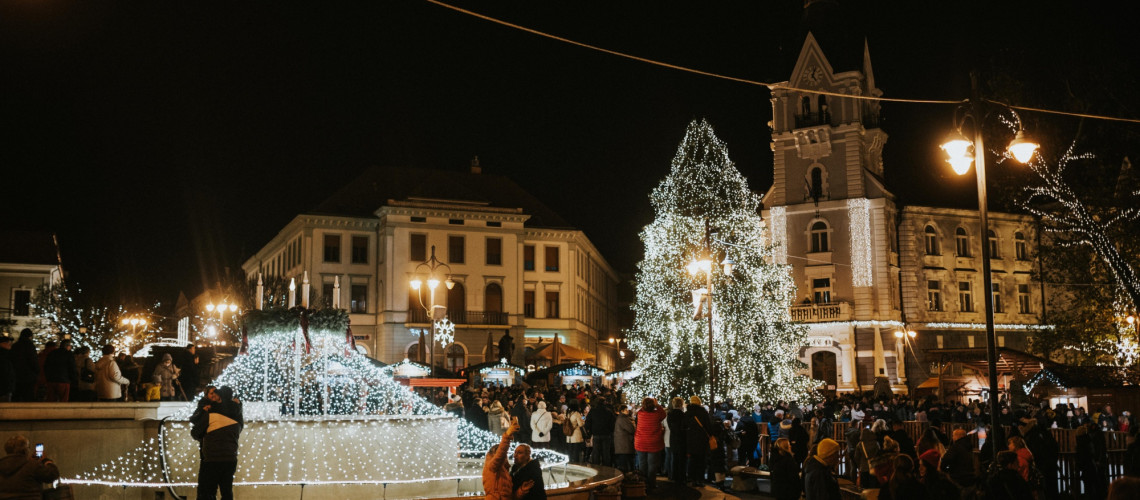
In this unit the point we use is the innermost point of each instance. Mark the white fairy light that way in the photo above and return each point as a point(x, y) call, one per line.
point(859, 213)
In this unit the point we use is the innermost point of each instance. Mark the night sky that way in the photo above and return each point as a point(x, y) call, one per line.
point(163, 141)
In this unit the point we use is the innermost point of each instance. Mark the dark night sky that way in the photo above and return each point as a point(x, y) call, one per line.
point(163, 140)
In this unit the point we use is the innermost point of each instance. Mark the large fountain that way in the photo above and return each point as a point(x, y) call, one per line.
point(321, 422)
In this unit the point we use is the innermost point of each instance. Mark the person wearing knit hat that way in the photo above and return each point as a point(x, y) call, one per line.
point(930, 458)
point(818, 481)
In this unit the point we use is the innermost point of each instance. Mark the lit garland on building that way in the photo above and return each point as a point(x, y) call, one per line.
point(779, 216)
point(1042, 375)
point(982, 326)
point(314, 416)
point(755, 341)
point(859, 213)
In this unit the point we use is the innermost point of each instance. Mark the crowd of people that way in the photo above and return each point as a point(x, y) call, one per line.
point(693, 444)
point(61, 372)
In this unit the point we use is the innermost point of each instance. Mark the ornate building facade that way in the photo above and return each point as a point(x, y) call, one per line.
point(515, 266)
point(867, 267)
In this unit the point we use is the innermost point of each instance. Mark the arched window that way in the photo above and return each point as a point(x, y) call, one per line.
point(822, 103)
point(816, 183)
point(413, 353)
point(995, 247)
point(819, 241)
point(1020, 250)
point(931, 238)
point(456, 357)
point(457, 304)
point(806, 103)
point(962, 242)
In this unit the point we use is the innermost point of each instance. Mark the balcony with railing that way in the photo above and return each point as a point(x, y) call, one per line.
point(460, 318)
point(815, 313)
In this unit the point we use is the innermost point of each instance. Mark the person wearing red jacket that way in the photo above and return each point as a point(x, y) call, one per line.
point(649, 440)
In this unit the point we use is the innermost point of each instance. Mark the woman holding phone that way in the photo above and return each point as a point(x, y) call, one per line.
point(497, 482)
point(23, 475)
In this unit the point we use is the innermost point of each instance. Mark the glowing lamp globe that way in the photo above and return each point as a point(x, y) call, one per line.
point(233, 307)
point(1022, 148)
point(416, 284)
point(449, 283)
point(210, 307)
point(912, 333)
point(961, 164)
point(898, 335)
point(956, 145)
point(432, 283)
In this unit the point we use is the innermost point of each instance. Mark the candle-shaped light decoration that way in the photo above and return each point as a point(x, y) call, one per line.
point(305, 291)
point(292, 293)
point(336, 293)
point(260, 293)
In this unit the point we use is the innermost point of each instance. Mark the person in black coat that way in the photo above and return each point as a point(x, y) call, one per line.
point(216, 425)
point(7, 374)
point(784, 472)
point(958, 462)
point(600, 422)
point(906, 444)
point(675, 419)
point(60, 372)
point(523, 415)
point(698, 428)
point(800, 440)
point(749, 439)
point(527, 469)
point(25, 367)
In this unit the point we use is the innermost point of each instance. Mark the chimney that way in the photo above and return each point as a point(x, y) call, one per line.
point(475, 168)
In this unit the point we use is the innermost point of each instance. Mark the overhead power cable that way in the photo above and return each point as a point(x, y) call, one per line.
point(770, 86)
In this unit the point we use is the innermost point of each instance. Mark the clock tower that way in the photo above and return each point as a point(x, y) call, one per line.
point(832, 217)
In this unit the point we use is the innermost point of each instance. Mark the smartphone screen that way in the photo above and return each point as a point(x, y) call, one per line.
point(39, 450)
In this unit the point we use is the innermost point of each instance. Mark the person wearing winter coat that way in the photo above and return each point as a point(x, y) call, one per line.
point(851, 437)
point(624, 429)
point(675, 444)
point(800, 440)
point(575, 439)
point(865, 451)
point(109, 381)
point(497, 417)
point(903, 485)
point(22, 476)
point(958, 462)
point(165, 374)
point(698, 429)
point(784, 472)
point(60, 373)
point(749, 439)
point(217, 425)
point(26, 367)
point(818, 481)
point(540, 424)
point(649, 441)
point(520, 412)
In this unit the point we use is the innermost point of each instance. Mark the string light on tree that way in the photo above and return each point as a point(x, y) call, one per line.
point(755, 342)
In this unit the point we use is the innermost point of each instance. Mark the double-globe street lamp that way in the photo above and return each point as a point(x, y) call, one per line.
point(135, 323)
point(434, 311)
point(703, 298)
point(958, 147)
point(221, 310)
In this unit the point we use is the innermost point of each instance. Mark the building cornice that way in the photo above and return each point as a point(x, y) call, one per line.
point(413, 209)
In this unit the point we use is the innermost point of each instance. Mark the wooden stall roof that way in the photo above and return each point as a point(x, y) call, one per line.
point(1010, 361)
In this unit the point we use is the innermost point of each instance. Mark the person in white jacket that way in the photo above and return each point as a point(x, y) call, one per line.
point(109, 381)
point(540, 423)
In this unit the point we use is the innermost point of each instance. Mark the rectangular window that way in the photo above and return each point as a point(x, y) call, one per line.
point(494, 251)
point(455, 250)
point(494, 223)
point(1020, 250)
point(528, 258)
point(332, 248)
point(551, 304)
point(417, 247)
point(359, 249)
point(327, 294)
point(528, 304)
point(962, 243)
point(995, 247)
point(821, 290)
point(934, 295)
point(455, 222)
point(1023, 299)
point(997, 297)
point(359, 298)
point(940, 340)
point(965, 297)
point(1001, 340)
point(551, 258)
point(21, 302)
point(419, 219)
point(970, 341)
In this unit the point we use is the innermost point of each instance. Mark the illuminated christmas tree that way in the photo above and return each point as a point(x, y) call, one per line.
point(755, 342)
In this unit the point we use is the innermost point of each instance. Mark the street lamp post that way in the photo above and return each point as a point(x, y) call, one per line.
point(430, 266)
point(705, 295)
point(960, 158)
point(135, 323)
point(221, 309)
